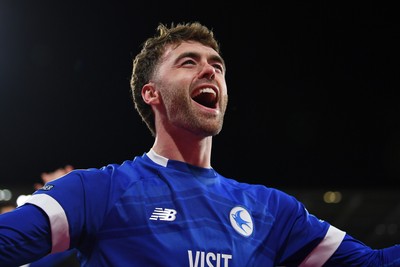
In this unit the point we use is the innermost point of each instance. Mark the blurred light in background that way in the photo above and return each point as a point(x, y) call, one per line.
point(332, 197)
point(5, 195)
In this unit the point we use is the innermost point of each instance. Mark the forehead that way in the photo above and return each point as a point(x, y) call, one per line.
point(173, 50)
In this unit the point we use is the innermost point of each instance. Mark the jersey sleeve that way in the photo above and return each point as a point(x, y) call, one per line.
point(353, 252)
point(304, 240)
point(75, 205)
point(24, 236)
point(318, 243)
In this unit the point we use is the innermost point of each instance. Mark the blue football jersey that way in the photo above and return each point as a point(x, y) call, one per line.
point(152, 211)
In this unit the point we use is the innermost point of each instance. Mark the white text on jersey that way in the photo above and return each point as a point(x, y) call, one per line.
point(210, 258)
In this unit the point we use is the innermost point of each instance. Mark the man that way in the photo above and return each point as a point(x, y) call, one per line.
point(169, 207)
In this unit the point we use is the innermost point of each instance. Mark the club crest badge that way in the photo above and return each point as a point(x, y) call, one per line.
point(241, 221)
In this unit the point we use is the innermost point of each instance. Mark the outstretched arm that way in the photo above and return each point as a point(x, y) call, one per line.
point(352, 252)
point(25, 236)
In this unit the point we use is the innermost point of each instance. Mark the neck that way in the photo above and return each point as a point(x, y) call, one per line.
point(193, 150)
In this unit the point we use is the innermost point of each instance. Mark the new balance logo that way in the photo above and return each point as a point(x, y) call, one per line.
point(163, 214)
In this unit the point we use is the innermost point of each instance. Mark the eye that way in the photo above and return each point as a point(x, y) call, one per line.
point(219, 67)
point(189, 62)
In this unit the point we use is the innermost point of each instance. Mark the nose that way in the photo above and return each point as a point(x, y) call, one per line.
point(208, 72)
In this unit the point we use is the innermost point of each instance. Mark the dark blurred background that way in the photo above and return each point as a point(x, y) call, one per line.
point(312, 87)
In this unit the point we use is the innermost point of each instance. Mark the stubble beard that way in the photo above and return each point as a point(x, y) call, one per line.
point(182, 114)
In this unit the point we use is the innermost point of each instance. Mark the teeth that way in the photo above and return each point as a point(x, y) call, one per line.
point(204, 90)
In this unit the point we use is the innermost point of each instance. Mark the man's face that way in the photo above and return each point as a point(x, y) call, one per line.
point(190, 79)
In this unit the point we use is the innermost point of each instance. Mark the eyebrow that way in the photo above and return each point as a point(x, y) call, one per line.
point(196, 55)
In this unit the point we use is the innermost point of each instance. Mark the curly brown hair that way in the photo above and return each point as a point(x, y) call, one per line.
point(145, 63)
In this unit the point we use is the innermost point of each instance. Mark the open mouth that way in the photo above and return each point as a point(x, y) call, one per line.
point(206, 97)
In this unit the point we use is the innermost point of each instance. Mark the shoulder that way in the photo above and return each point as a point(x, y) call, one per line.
point(129, 169)
point(273, 199)
point(259, 191)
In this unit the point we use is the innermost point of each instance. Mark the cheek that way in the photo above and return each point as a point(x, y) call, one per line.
point(223, 87)
point(224, 103)
point(173, 98)
point(224, 93)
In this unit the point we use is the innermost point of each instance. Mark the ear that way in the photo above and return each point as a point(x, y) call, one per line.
point(150, 94)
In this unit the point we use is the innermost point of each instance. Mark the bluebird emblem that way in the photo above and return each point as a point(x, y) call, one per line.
point(241, 221)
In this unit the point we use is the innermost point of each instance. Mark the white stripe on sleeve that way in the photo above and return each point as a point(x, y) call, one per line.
point(58, 220)
point(325, 249)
